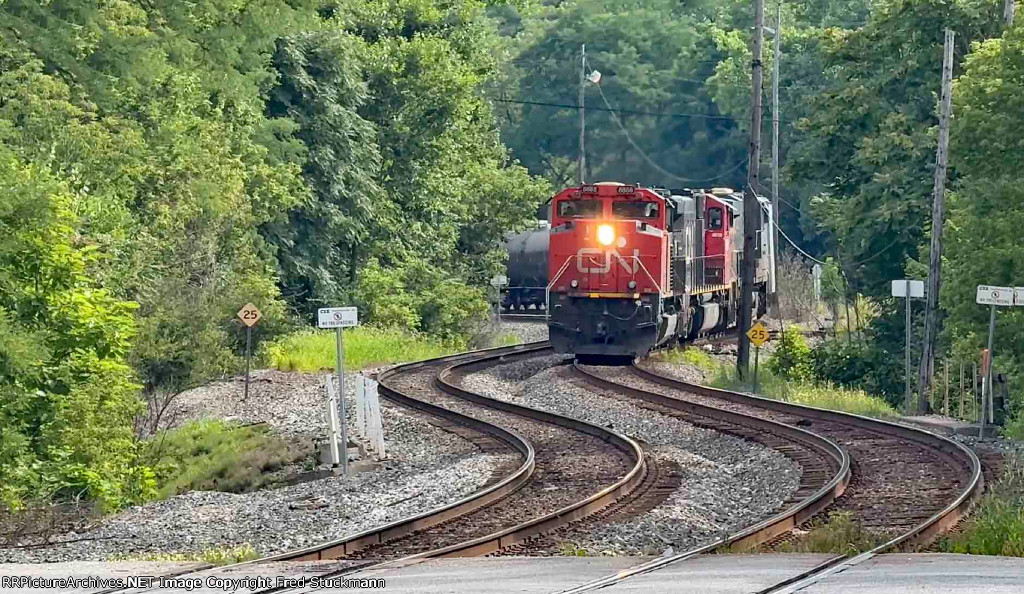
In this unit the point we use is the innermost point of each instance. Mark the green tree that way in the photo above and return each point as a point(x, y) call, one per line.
point(986, 210)
point(67, 395)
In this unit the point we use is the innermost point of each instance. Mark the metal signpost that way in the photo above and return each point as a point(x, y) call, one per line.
point(758, 335)
point(908, 289)
point(250, 316)
point(498, 282)
point(993, 297)
point(338, 318)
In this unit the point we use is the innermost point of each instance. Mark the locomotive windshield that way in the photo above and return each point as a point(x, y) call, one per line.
point(579, 209)
point(635, 210)
point(714, 218)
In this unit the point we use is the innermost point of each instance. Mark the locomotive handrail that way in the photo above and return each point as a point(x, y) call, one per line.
point(653, 282)
point(547, 289)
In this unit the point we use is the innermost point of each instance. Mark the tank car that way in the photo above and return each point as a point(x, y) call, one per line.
point(527, 269)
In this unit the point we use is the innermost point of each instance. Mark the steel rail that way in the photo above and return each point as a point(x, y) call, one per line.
point(570, 513)
point(462, 363)
point(345, 546)
point(949, 449)
point(750, 536)
point(338, 548)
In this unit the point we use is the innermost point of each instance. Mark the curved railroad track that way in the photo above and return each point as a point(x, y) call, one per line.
point(908, 485)
point(923, 483)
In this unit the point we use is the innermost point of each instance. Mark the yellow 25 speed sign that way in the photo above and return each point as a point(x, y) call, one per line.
point(758, 334)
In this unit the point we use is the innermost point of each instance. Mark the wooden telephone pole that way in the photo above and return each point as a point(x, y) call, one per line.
point(751, 207)
point(931, 316)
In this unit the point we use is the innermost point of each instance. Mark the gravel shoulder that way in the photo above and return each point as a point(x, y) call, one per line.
point(727, 483)
point(426, 467)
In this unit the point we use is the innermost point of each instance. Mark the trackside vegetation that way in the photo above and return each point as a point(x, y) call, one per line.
point(996, 527)
point(163, 163)
point(212, 455)
point(785, 376)
point(313, 350)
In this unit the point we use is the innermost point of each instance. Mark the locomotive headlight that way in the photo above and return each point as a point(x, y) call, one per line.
point(575, 283)
point(632, 284)
point(605, 234)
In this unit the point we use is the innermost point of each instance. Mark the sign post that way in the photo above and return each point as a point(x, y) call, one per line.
point(993, 297)
point(498, 282)
point(338, 318)
point(250, 316)
point(758, 335)
point(908, 289)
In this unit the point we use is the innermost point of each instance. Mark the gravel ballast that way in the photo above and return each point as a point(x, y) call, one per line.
point(426, 467)
point(727, 483)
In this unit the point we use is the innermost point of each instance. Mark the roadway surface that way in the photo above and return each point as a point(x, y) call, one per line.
point(714, 574)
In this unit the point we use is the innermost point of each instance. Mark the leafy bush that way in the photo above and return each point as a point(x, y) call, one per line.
point(792, 359)
point(211, 455)
point(858, 366)
point(67, 396)
point(420, 297)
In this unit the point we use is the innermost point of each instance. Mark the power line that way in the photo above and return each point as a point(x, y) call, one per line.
point(623, 111)
point(663, 171)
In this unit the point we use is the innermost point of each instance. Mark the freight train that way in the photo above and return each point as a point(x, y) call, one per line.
point(628, 269)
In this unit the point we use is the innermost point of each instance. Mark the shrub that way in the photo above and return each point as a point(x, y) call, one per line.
point(792, 359)
point(858, 366)
point(419, 297)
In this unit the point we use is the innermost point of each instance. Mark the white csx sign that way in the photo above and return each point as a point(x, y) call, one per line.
point(589, 261)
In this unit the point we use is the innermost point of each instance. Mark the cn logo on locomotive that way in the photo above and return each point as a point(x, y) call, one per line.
point(585, 259)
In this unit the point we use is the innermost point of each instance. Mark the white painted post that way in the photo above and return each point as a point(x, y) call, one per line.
point(361, 406)
point(377, 425)
point(332, 419)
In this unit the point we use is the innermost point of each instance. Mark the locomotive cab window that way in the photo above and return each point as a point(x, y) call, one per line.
point(714, 218)
point(580, 209)
point(635, 209)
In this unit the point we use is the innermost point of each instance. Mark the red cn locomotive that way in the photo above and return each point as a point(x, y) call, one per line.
point(633, 268)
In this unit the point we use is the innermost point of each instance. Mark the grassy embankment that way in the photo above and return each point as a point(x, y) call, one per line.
point(809, 393)
point(215, 455)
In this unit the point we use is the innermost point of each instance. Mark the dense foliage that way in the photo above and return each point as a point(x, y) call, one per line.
point(163, 163)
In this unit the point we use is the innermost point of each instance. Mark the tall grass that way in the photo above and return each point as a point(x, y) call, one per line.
point(839, 535)
point(211, 455)
point(997, 526)
point(365, 346)
point(809, 393)
point(216, 556)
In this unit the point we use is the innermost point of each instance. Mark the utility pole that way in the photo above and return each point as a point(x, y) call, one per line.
point(751, 208)
point(773, 296)
point(1008, 9)
point(931, 315)
point(581, 164)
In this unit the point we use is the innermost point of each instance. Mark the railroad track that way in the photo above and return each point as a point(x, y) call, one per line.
point(539, 317)
point(908, 485)
point(570, 469)
point(511, 511)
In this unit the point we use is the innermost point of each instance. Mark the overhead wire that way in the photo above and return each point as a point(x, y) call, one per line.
point(659, 168)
